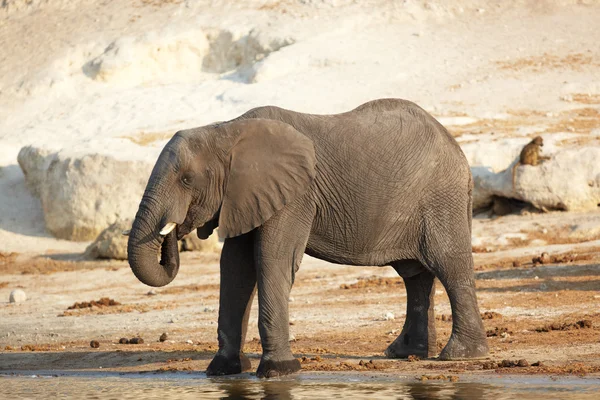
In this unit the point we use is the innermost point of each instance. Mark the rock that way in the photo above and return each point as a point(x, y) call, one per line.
point(94, 344)
point(545, 258)
point(229, 50)
point(561, 183)
point(34, 162)
point(163, 337)
point(523, 363)
point(17, 296)
point(191, 242)
point(111, 243)
point(123, 341)
point(136, 340)
point(82, 194)
point(164, 55)
point(389, 316)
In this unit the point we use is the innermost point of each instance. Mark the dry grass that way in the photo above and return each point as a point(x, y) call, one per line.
point(580, 141)
point(146, 138)
point(118, 309)
point(559, 235)
point(189, 288)
point(581, 121)
point(11, 263)
point(545, 62)
point(159, 3)
point(586, 98)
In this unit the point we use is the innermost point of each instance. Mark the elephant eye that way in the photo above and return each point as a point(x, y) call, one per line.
point(186, 179)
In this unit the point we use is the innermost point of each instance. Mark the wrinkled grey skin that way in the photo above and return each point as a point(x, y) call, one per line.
point(383, 184)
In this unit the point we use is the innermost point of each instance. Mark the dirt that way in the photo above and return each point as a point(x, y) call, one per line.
point(337, 318)
point(374, 281)
point(103, 302)
point(583, 324)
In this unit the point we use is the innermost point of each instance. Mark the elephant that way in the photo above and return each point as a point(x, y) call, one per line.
point(384, 184)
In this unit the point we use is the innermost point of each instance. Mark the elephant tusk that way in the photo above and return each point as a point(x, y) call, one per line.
point(126, 232)
point(168, 228)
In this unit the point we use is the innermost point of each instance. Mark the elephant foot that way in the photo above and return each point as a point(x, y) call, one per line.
point(223, 365)
point(402, 347)
point(273, 368)
point(459, 349)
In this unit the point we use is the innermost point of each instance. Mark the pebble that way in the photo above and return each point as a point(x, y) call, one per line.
point(389, 316)
point(136, 340)
point(189, 341)
point(94, 344)
point(124, 341)
point(17, 296)
point(163, 337)
point(209, 309)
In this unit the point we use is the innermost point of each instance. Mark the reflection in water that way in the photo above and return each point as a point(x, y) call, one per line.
point(192, 386)
point(268, 390)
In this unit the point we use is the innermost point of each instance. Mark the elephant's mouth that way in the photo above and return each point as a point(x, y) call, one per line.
point(169, 253)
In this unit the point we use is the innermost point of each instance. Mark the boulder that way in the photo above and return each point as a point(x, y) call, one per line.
point(569, 181)
point(34, 162)
point(191, 242)
point(112, 244)
point(166, 55)
point(82, 194)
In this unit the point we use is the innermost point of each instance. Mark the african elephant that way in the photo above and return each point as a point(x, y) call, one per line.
point(382, 185)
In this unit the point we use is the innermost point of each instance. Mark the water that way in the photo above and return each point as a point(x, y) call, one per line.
point(197, 386)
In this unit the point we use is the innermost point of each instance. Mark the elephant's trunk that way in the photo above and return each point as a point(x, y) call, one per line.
point(142, 252)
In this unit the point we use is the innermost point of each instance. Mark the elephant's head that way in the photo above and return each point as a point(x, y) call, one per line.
point(233, 175)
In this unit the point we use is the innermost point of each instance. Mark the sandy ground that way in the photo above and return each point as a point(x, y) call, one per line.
point(340, 315)
point(486, 73)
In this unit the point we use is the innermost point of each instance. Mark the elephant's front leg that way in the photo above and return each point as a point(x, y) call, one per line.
point(238, 282)
point(280, 247)
point(274, 285)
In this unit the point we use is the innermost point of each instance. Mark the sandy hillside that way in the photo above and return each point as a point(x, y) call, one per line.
point(121, 77)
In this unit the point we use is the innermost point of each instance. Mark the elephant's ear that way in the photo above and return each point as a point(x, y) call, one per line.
point(271, 164)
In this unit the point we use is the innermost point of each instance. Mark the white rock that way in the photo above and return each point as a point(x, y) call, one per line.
point(111, 243)
point(167, 55)
point(82, 194)
point(17, 296)
point(389, 316)
point(189, 341)
point(191, 242)
point(570, 180)
point(34, 162)
point(560, 183)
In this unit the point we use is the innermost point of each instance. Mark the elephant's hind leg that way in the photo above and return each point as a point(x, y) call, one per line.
point(238, 283)
point(418, 334)
point(468, 338)
point(449, 257)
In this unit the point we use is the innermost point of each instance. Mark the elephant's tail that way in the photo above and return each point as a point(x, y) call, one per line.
point(470, 203)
